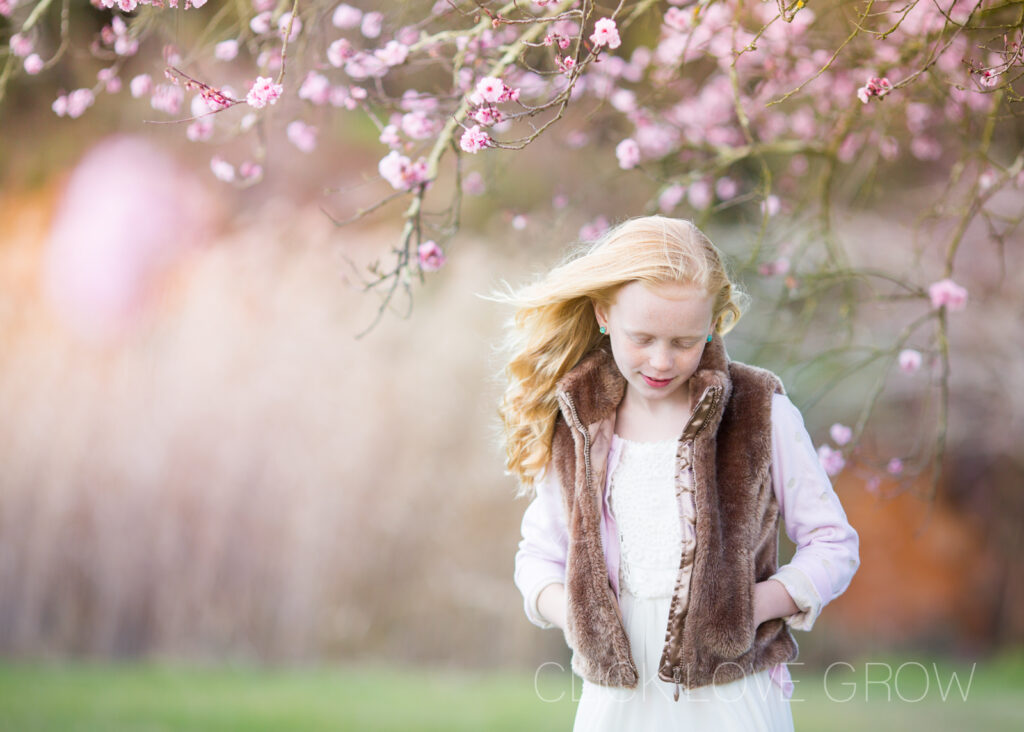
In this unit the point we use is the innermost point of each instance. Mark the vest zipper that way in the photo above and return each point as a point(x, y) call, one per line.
point(716, 392)
point(586, 461)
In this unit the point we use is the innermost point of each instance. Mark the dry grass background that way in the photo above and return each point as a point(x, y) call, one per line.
point(240, 477)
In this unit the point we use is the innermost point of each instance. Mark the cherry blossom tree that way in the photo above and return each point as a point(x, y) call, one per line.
point(750, 111)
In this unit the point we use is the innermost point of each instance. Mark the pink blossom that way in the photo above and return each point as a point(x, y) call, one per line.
point(407, 35)
point(414, 101)
point(171, 55)
point(111, 81)
point(316, 88)
point(771, 205)
point(418, 125)
point(197, 4)
point(592, 230)
point(126, 46)
point(519, 222)
point(925, 147)
point(260, 24)
point(989, 78)
point(875, 87)
point(269, 58)
point(778, 266)
point(282, 26)
point(623, 100)
point(949, 294)
point(365, 66)
point(342, 96)
point(400, 172)
point(628, 153)
point(840, 434)
point(430, 256)
point(140, 85)
point(33, 64)
point(303, 136)
point(199, 130)
point(263, 92)
point(576, 139)
point(490, 89)
point(560, 201)
point(726, 188)
point(678, 19)
point(250, 170)
point(888, 148)
point(873, 484)
point(918, 116)
point(345, 16)
point(850, 146)
point(474, 139)
point(226, 50)
point(371, 25)
point(671, 197)
point(262, 5)
point(605, 33)
point(895, 466)
point(473, 184)
point(167, 98)
point(222, 169)
point(60, 105)
point(389, 136)
point(488, 116)
point(78, 101)
point(831, 460)
point(987, 179)
point(699, 194)
point(20, 45)
point(909, 360)
point(393, 53)
point(339, 52)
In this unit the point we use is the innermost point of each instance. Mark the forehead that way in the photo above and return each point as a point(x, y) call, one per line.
point(678, 306)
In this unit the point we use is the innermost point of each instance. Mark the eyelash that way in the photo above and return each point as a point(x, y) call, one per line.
point(646, 341)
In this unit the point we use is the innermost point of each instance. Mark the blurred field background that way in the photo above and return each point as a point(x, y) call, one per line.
point(232, 514)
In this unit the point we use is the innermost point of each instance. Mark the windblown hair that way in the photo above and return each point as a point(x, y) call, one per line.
point(554, 325)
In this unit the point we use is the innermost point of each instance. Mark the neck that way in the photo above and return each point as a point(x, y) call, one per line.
point(679, 401)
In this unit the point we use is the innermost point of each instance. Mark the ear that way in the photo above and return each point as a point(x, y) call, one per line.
point(600, 314)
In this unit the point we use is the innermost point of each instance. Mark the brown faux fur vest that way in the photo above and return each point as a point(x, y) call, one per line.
point(712, 639)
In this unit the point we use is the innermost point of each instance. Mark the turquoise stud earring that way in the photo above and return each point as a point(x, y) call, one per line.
point(603, 330)
point(709, 338)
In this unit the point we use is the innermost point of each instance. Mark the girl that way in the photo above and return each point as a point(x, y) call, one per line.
point(661, 469)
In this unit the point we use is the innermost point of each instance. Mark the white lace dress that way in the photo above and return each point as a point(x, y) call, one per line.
point(652, 537)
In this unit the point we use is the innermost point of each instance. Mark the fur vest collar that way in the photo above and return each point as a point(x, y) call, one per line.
point(711, 639)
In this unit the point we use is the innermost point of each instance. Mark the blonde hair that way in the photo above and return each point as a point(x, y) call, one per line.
point(554, 326)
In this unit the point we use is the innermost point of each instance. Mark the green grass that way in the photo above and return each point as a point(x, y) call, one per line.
point(80, 697)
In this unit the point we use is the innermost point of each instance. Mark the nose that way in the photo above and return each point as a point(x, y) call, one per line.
point(661, 359)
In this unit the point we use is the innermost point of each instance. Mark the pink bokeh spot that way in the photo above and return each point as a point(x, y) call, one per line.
point(105, 254)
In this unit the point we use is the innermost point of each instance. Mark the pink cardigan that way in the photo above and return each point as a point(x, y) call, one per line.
point(827, 547)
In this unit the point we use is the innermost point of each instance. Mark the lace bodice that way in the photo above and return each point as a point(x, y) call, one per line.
point(656, 529)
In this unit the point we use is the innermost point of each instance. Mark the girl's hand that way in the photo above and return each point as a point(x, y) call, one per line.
point(551, 604)
point(772, 600)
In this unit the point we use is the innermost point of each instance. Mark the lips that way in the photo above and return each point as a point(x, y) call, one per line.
point(655, 382)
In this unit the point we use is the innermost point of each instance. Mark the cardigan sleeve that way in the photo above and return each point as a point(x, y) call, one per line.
point(827, 547)
point(541, 558)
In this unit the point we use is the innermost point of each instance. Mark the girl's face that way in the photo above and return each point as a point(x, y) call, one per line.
point(658, 334)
